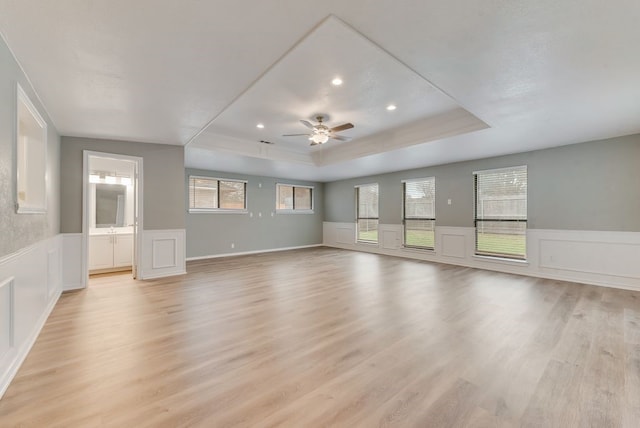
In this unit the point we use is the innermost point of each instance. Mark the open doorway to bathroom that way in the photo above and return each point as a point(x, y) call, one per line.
point(111, 216)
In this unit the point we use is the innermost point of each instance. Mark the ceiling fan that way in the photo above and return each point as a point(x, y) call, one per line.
point(321, 133)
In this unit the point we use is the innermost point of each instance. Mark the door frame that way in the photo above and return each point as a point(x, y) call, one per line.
point(138, 206)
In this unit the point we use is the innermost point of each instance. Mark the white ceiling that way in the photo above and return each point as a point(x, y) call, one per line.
point(539, 74)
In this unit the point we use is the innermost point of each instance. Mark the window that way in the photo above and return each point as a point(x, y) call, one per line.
point(501, 212)
point(367, 212)
point(294, 198)
point(213, 194)
point(419, 212)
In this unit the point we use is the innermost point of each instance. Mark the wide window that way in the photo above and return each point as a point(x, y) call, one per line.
point(419, 213)
point(217, 195)
point(367, 212)
point(294, 198)
point(501, 212)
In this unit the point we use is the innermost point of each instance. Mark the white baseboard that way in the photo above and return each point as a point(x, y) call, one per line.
point(164, 275)
point(602, 258)
point(244, 253)
point(33, 280)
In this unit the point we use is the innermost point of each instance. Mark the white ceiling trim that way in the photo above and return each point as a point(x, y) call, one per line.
point(449, 124)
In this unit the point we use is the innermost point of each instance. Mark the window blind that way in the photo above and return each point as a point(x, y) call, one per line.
point(501, 212)
point(203, 193)
point(367, 212)
point(296, 198)
point(419, 213)
point(213, 194)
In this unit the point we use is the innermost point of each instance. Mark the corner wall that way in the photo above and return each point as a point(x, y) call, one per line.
point(260, 229)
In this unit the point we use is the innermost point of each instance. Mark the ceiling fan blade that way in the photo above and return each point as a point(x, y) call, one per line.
point(307, 124)
point(313, 143)
point(342, 127)
point(295, 135)
point(340, 138)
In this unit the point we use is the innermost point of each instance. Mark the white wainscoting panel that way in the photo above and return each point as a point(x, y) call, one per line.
point(598, 257)
point(6, 317)
point(453, 245)
point(30, 285)
point(345, 233)
point(390, 236)
point(163, 253)
point(601, 258)
point(54, 271)
point(610, 259)
point(72, 275)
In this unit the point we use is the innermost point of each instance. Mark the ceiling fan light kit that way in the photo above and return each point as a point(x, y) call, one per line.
point(321, 133)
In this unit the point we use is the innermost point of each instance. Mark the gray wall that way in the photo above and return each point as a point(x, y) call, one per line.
point(163, 181)
point(21, 230)
point(213, 233)
point(588, 186)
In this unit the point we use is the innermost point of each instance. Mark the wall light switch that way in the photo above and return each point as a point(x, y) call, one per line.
point(272, 213)
point(250, 214)
point(449, 201)
point(259, 185)
point(233, 245)
point(259, 214)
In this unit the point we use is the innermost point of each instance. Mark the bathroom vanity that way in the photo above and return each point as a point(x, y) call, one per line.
point(110, 232)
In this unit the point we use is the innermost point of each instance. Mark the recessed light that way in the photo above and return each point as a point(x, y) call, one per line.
point(337, 81)
point(260, 125)
point(391, 107)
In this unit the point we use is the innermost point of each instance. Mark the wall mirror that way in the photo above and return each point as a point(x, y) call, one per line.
point(31, 157)
point(110, 204)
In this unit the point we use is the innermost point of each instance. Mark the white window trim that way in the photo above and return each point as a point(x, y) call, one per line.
point(494, 170)
point(492, 258)
point(404, 244)
point(295, 211)
point(218, 210)
point(358, 240)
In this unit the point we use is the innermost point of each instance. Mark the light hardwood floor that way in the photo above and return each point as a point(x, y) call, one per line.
point(325, 337)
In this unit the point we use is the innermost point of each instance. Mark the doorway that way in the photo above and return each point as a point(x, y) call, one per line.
point(112, 218)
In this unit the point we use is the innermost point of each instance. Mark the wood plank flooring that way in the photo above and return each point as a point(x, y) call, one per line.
point(326, 337)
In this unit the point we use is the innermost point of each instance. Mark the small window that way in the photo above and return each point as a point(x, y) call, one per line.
point(367, 213)
point(419, 213)
point(208, 194)
point(294, 198)
point(501, 212)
